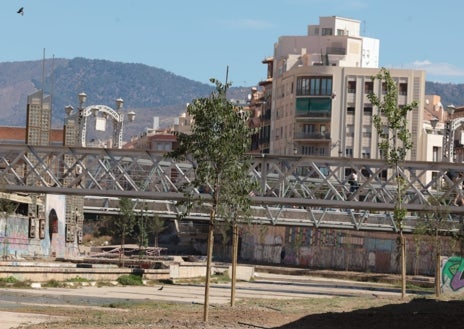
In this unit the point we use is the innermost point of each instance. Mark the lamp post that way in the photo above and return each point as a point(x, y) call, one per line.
point(433, 123)
point(448, 136)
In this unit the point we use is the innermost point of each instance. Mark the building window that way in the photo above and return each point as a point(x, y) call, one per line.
point(350, 110)
point(314, 86)
point(326, 31)
point(308, 129)
point(384, 88)
point(368, 87)
point(435, 153)
point(350, 131)
point(403, 89)
point(367, 110)
point(340, 32)
point(366, 155)
point(349, 152)
point(351, 87)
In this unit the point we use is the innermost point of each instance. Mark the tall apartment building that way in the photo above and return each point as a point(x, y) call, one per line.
point(320, 84)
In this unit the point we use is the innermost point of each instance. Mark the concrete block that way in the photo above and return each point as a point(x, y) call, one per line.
point(243, 273)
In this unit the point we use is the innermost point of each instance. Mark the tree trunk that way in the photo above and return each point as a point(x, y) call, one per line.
point(209, 258)
point(437, 266)
point(234, 262)
point(403, 265)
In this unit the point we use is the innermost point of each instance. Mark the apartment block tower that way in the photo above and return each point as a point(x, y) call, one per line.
point(320, 84)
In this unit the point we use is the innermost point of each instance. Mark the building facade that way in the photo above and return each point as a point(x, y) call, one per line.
point(320, 84)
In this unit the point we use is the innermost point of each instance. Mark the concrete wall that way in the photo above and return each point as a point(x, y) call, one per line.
point(46, 271)
point(16, 242)
point(14, 238)
point(340, 250)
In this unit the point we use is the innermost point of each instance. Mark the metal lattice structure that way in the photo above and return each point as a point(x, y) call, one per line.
point(293, 190)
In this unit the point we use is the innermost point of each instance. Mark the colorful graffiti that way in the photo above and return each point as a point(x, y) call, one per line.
point(452, 273)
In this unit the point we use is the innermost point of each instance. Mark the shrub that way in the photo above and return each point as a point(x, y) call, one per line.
point(130, 280)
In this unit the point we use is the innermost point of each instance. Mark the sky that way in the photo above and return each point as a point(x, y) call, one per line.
point(220, 39)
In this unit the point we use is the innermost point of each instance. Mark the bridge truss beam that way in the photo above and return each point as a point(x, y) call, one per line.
point(293, 190)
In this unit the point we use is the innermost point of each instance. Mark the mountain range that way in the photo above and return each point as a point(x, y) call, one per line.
point(146, 90)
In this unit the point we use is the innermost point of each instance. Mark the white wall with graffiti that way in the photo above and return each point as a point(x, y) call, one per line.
point(341, 249)
point(27, 237)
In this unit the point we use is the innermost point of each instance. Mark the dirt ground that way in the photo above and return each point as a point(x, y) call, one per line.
point(322, 313)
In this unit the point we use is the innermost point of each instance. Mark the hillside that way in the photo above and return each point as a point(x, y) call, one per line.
point(149, 91)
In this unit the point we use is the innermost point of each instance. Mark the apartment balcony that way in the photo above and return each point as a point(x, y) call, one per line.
point(314, 136)
point(313, 117)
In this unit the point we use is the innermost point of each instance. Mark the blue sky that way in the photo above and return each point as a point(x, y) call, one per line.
point(200, 39)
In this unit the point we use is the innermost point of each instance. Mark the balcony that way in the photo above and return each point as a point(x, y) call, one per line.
point(313, 116)
point(319, 136)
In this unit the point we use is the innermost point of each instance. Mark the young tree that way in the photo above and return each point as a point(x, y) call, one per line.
point(124, 223)
point(156, 226)
point(217, 148)
point(141, 232)
point(395, 141)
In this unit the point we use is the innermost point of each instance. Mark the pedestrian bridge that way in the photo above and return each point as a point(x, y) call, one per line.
point(292, 190)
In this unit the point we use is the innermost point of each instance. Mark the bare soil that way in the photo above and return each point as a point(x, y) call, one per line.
point(322, 313)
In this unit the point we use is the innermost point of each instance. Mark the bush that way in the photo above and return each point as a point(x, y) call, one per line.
point(10, 279)
point(130, 280)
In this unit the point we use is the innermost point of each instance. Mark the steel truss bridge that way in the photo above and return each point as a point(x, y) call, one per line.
point(293, 190)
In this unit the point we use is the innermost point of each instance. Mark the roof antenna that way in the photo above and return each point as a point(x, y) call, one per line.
point(43, 70)
point(227, 79)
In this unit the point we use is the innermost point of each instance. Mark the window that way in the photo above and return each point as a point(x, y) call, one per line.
point(403, 89)
point(384, 88)
point(308, 129)
point(351, 87)
point(435, 153)
point(350, 130)
point(368, 87)
point(314, 86)
point(366, 155)
point(349, 152)
point(340, 32)
point(367, 110)
point(326, 31)
point(350, 110)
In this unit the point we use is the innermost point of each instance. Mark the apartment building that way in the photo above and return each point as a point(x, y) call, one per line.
point(320, 84)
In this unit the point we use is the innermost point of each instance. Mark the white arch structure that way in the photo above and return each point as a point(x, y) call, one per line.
point(107, 112)
point(448, 138)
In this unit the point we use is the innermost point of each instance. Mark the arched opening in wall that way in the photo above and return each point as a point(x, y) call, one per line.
point(52, 223)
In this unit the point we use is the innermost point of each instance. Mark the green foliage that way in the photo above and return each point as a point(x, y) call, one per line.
point(8, 280)
point(217, 148)
point(391, 121)
point(395, 139)
point(7, 207)
point(53, 284)
point(130, 280)
point(125, 221)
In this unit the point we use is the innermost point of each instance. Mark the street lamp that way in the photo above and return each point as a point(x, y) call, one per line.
point(448, 136)
point(433, 123)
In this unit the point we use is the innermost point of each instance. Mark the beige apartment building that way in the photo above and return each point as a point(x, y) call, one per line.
point(320, 85)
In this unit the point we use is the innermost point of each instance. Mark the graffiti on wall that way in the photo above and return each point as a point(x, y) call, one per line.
point(452, 269)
